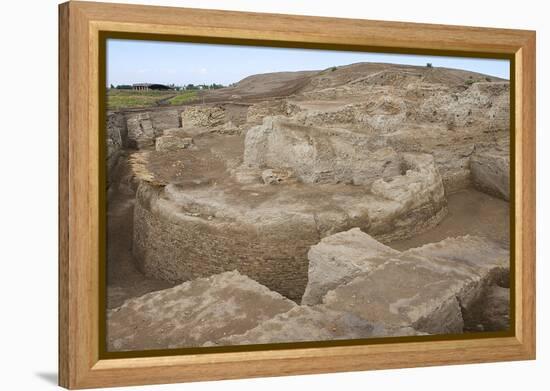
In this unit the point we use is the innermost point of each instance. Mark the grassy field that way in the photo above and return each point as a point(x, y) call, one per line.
point(182, 97)
point(120, 99)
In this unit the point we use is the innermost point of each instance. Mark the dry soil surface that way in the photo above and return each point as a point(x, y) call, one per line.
point(471, 212)
point(124, 280)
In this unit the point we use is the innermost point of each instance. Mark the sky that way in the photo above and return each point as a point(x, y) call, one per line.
point(132, 61)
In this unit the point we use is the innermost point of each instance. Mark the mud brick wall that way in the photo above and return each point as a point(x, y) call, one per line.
point(116, 140)
point(184, 248)
point(410, 223)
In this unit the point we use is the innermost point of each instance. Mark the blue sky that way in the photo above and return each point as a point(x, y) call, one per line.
point(130, 61)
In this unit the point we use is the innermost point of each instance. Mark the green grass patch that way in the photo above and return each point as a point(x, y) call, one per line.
point(121, 102)
point(126, 99)
point(151, 93)
point(121, 99)
point(183, 97)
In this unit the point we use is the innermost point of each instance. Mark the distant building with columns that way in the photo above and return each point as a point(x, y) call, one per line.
point(149, 86)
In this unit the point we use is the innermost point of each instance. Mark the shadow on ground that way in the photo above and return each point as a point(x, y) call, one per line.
point(48, 377)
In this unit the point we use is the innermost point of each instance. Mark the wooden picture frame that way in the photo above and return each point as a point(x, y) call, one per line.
point(81, 203)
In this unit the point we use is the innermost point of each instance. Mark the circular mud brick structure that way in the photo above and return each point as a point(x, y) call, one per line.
point(182, 232)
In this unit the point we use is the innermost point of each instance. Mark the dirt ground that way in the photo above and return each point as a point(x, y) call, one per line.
point(124, 280)
point(471, 212)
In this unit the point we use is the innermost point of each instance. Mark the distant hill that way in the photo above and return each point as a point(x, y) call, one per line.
point(284, 84)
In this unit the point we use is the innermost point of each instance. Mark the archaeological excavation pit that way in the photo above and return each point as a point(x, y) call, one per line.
point(370, 159)
point(263, 226)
